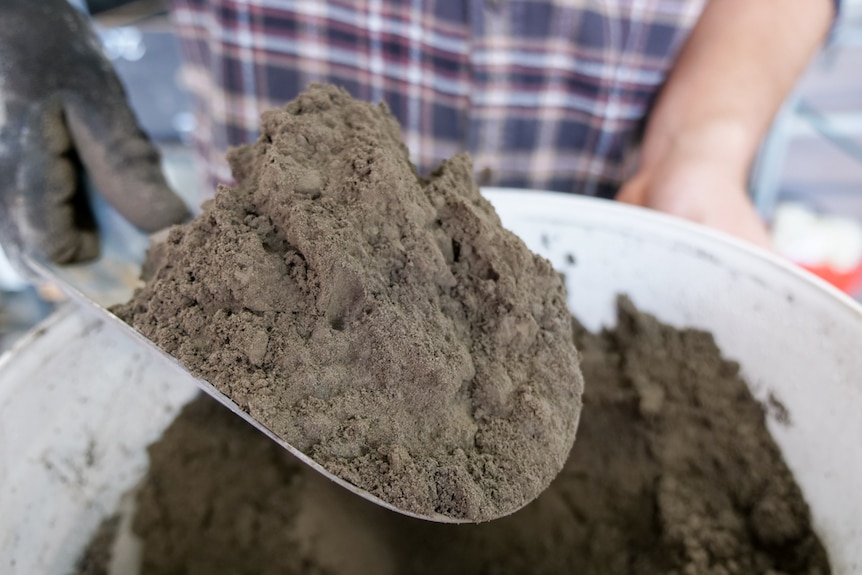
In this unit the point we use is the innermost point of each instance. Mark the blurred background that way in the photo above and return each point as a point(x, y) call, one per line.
point(807, 182)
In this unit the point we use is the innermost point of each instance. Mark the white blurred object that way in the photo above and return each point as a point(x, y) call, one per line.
point(10, 280)
point(124, 42)
point(814, 240)
point(80, 5)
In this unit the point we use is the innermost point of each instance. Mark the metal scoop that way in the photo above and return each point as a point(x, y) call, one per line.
point(113, 278)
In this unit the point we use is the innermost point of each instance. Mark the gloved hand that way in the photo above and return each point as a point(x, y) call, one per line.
point(62, 110)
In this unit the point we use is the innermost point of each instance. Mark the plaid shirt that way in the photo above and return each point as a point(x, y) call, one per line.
point(545, 94)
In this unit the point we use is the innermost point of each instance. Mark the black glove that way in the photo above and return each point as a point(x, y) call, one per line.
point(63, 110)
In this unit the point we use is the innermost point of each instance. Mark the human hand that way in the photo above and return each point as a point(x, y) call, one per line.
point(63, 111)
point(699, 189)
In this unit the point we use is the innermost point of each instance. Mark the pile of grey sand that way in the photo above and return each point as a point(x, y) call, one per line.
point(673, 473)
point(384, 324)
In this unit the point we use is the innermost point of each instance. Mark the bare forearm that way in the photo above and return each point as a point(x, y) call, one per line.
point(733, 73)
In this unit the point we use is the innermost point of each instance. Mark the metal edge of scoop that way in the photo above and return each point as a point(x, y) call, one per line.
point(52, 273)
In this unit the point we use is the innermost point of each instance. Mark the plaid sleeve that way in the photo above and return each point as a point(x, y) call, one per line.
point(546, 94)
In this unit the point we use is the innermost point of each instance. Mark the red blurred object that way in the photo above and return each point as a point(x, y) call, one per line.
point(848, 282)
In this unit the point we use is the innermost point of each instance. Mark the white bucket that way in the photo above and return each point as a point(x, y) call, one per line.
point(79, 401)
